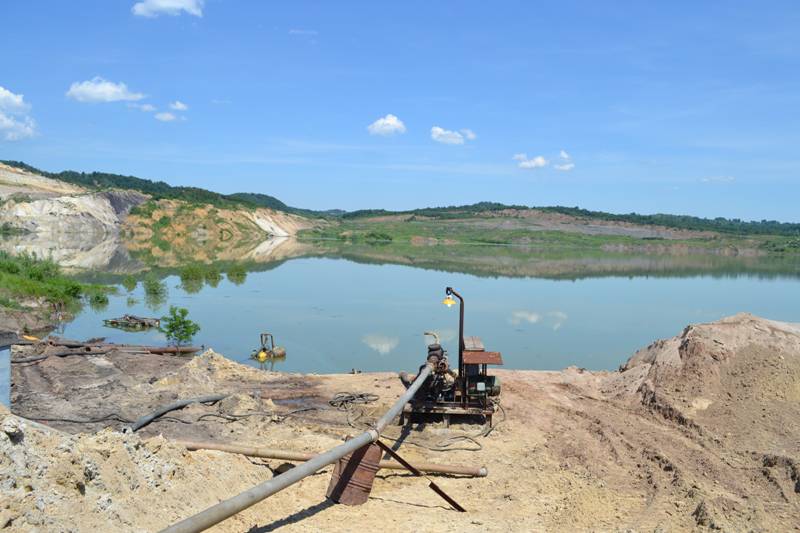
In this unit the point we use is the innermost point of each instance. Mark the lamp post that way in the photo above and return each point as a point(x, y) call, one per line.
point(449, 302)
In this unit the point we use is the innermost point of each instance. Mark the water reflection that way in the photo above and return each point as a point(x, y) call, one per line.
point(383, 344)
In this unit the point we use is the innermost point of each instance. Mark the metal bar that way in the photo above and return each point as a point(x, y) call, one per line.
point(284, 455)
point(433, 486)
point(461, 370)
point(225, 509)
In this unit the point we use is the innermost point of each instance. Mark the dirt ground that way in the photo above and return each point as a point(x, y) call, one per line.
point(697, 432)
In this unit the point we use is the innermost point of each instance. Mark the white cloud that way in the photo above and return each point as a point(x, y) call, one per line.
point(177, 105)
point(444, 136)
point(15, 124)
point(16, 128)
point(308, 33)
point(13, 103)
point(388, 125)
point(518, 317)
point(534, 162)
point(147, 108)
point(566, 163)
point(381, 343)
point(154, 8)
point(100, 90)
point(165, 117)
point(441, 135)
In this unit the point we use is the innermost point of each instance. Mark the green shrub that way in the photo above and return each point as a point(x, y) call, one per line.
point(177, 326)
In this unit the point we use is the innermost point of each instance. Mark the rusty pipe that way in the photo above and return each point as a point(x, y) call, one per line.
point(271, 453)
point(227, 508)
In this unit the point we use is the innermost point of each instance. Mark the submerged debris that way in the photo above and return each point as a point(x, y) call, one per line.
point(132, 323)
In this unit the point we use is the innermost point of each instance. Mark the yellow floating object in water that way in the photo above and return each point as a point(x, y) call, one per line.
point(30, 338)
point(262, 356)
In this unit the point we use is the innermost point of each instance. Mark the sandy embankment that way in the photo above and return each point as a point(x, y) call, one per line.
point(699, 431)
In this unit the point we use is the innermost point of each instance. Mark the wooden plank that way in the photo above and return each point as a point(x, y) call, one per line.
point(473, 344)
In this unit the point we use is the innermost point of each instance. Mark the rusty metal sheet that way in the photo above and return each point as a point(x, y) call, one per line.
point(482, 358)
point(351, 481)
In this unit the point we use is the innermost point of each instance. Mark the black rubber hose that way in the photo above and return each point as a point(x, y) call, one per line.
point(29, 359)
point(143, 421)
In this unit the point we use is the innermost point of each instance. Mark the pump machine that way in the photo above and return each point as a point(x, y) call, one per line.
point(467, 390)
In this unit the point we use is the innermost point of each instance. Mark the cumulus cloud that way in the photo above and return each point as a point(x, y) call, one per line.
point(533, 162)
point(388, 125)
point(154, 8)
point(100, 90)
point(380, 343)
point(165, 117)
point(444, 136)
point(15, 124)
point(565, 164)
point(13, 103)
point(441, 135)
point(177, 105)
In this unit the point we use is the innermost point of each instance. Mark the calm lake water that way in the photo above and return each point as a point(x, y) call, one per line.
point(333, 315)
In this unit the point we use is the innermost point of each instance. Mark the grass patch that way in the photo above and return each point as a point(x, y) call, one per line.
point(27, 277)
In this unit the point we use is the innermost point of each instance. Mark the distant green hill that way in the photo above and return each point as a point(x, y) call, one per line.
point(160, 189)
point(270, 202)
point(156, 189)
point(722, 225)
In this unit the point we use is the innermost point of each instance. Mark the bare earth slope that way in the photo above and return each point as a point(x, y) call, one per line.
point(696, 432)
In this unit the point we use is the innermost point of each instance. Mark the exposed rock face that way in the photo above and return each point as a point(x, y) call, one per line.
point(89, 215)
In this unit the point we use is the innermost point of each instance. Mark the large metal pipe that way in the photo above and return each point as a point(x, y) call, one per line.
point(284, 455)
point(225, 509)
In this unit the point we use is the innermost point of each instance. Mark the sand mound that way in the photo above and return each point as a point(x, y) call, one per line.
point(108, 481)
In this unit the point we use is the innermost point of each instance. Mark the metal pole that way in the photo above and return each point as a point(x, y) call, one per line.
point(225, 509)
point(461, 370)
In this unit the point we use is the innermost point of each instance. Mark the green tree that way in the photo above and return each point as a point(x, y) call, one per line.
point(177, 326)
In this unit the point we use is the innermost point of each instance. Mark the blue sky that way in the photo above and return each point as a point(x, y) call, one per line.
point(682, 107)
